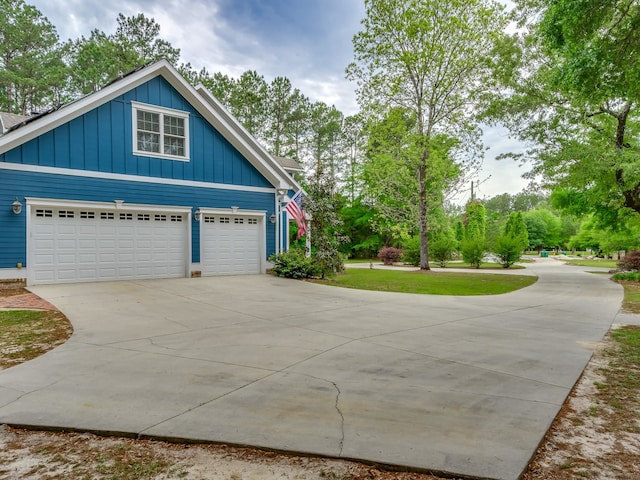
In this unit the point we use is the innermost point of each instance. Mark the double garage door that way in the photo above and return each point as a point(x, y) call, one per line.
point(89, 244)
point(102, 242)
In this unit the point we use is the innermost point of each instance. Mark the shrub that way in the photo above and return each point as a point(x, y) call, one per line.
point(442, 249)
point(295, 264)
point(628, 276)
point(508, 249)
point(390, 255)
point(630, 262)
point(411, 251)
point(473, 251)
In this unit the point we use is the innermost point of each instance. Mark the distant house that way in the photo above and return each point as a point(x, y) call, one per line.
point(147, 178)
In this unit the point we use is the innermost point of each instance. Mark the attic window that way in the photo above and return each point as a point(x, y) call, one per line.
point(160, 132)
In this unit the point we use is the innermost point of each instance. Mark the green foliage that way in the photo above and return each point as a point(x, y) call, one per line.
point(573, 89)
point(543, 228)
point(516, 228)
point(442, 249)
point(139, 43)
point(31, 67)
point(356, 224)
point(627, 276)
point(508, 249)
point(295, 264)
point(411, 251)
point(474, 221)
point(405, 56)
point(473, 251)
point(326, 240)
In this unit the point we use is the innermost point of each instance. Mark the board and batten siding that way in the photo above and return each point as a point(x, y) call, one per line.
point(14, 183)
point(102, 140)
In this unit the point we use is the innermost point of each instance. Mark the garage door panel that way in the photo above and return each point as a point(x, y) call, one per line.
point(70, 245)
point(230, 245)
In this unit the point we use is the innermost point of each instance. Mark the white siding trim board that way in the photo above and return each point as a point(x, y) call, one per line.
point(131, 178)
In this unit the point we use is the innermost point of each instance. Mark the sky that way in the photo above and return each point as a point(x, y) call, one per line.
point(307, 41)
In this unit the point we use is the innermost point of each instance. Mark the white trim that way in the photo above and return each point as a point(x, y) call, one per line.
point(115, 205)
point(13, 273)
point(131, 178)
point(161, 111)
point(232, 212)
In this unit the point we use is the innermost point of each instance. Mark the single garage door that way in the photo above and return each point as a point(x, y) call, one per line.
point(230, 244)
point(91, 244)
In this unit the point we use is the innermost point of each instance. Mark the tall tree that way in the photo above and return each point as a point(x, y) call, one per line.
point(325, 128)
point(138, 38)
point(92, 62)
point(278, 110)
point(248, 102)
point(431, 57)
point(30, 59)
point(572, 83)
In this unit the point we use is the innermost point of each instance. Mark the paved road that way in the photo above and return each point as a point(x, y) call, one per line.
point(464, 385)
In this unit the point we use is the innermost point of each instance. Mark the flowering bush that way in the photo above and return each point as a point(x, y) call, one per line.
point(630, 262)
point(390, 255)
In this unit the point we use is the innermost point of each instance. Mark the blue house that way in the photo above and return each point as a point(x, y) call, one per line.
point(147, 178)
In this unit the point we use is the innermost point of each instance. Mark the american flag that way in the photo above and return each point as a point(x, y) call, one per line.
point(294, 208)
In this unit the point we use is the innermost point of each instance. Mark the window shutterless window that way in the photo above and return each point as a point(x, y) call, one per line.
point(160, 132)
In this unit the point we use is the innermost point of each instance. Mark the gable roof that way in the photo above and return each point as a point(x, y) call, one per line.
point(289, 164)
point(200, 99)
point(10, 120)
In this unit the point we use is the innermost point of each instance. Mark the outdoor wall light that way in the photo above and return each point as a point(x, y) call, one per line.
point(16, 206)
point(272, 218)
point(196, 215)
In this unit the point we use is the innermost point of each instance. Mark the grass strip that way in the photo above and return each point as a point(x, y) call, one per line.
point(431, 283)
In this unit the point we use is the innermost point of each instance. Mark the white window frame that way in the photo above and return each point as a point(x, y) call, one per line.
point(161, 111)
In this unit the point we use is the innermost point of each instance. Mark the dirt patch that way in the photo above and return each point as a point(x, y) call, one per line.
point(27, 334)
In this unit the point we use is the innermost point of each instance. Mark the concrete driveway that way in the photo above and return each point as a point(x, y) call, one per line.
point(462, 385)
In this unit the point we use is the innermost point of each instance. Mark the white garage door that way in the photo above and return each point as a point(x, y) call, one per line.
point(89, 244)
point(230, 245)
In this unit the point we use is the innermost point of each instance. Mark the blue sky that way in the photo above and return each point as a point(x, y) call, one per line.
point(307, 41)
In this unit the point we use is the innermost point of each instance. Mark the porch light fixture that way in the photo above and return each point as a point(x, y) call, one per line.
point(16, 206)
point(272, 218)
point(196, 215)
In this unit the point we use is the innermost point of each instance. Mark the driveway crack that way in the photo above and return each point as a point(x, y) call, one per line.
point(338, 392)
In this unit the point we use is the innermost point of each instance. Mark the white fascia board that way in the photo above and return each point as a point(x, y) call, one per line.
point(115, 205)
point(238, 212)
point(240, 132)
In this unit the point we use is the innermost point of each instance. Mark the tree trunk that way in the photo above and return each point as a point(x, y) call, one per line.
point(424, 239)
point(631, 193)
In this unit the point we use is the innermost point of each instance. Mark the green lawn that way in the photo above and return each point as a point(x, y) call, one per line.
point(593, 263)
point(440, 283)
